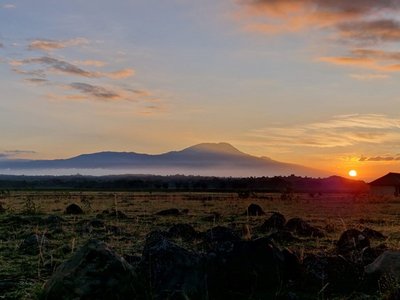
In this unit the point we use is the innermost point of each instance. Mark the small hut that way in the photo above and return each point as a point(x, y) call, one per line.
point(388, 185)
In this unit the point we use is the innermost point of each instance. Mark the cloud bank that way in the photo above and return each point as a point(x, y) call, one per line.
point(352, 24)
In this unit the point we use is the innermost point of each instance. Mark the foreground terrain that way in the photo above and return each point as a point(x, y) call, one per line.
point(231, 250)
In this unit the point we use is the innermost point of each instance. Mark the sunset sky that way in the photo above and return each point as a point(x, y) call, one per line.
point(313, 82)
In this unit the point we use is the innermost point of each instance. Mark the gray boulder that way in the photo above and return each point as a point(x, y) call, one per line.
point(388, 263)
point(170, 270)
point(93, 272)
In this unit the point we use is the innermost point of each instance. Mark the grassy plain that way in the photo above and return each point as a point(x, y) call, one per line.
point(22, 276)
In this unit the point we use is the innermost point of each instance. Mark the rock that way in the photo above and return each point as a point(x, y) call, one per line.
point(369, 254)
point(351, 240)
point(34, 244)
point(169, 212)
point(343, 276)
point(93, 272)
point(283, 236)
point(254, 210)
point(183, 231)
point(373, 234)
point(276, 221)
point(387, 264)
point(73, 209)
point(302, 228)
point(54, 220)
point(248, 269)
point(221, 234)
point(2, 209)
point(88, 226)
point(96, 223)
point(170, 270)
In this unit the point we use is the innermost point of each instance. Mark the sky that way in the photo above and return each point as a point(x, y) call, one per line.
point(312, 82)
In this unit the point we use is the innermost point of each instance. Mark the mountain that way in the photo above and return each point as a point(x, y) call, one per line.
point(212, 159)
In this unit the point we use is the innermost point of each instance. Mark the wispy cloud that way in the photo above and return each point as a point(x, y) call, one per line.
point(375, 31)
point(351, 23)
point(97, 92)
point(58, 66)
point(378, 60)
point(9, 6)
point(48, 45)
point(339, 131)
point(94, 63)
point(9, 154)
point(369, 76)
point(380, 158)
point(85, 79)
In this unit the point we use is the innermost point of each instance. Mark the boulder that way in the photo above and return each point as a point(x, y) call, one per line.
point(248, 269)
point(182, 231)
point(2, 209)
point(33, 244)
point(73, 209)
point(387, 264)
point(276, 221)
point(283, 236)
point(169, 212)
point(170, 270)
point(220, 234)
point(342, 275)
point(373, 234)
point(54, 220)
point(93, 272)
point(302, 228)
point(351, 240)
point(254, 210)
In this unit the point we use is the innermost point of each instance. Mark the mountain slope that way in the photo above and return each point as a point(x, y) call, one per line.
point(214, 159)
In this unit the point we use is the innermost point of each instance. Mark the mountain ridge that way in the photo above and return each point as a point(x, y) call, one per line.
point(219, 159)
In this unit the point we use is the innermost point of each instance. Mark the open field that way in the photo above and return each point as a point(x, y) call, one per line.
point(24, 271)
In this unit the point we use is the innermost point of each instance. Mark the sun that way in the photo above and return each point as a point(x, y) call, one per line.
point(352, 173)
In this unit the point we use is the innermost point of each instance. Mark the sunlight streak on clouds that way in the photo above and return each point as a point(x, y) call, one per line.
point(340, 131)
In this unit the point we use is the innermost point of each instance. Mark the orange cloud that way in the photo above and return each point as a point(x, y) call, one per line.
point(364, 58)
point(368, 77)
point(289, 15)
point(352, 22)
point(374, 31)
point(48, 45)
point(120, 74)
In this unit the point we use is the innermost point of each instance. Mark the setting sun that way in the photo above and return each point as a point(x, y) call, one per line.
point(353, 173)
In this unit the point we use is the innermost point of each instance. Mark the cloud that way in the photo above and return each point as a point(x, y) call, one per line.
point(378, 60)
point(125, 73)
point(380, 158)
point(349, 23)
point(86, 80)
point(339, 131)
point(36, 80)
point(49, 45)
point(58, 66)
point(9, 6)
point(289, 15)
point(7, 154)
point(94, 63)
point(369, 77)
point(375, 31)
point(97, 92)
point(1, 45)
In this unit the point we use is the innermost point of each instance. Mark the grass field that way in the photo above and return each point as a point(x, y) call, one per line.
point(22, 275)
